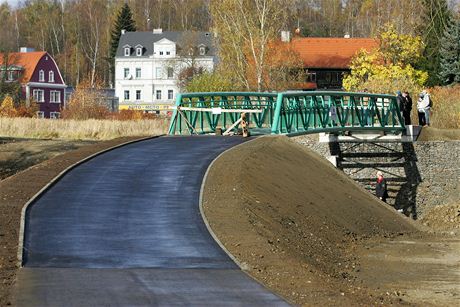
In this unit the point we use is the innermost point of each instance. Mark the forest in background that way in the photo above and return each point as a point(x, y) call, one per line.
point(77, 32)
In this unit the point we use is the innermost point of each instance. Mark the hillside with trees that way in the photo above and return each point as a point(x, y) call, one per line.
point(79, 33)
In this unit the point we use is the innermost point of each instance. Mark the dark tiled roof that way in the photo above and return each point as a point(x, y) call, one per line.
point(146, 39)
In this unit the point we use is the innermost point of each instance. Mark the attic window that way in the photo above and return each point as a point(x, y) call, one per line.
point(139, 51)
point(41, 76)
point(51, 76)
point(202, 50)
point(127, 51)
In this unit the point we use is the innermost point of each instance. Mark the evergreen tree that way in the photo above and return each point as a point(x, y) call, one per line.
point(124, 21)
point(450, 53)
point(437, 15)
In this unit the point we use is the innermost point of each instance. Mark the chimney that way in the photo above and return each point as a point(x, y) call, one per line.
point(285, 36)
point(123, 31)
point(157, 31)
point(26, 49)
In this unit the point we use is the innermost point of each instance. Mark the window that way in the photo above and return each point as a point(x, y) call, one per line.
point(127, 51)
point(39, 95)
point(138, 95)
point(51, 76)
point(55, 96)
point(40, 114)
point(170, 73)
point(138, 73)
point(126, 95)
point(41, 76)
point(202, 50)
point(311, 77)
point(126, 74)
point(139, 51)
point(168, 53)
point(161, 52)
point(10, 76)
point(170, 94)
point(158, 94)
point(55, 115)
point(159, 73)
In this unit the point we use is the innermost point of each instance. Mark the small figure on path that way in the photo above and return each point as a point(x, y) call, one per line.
point(406, 107)
point(381, 187)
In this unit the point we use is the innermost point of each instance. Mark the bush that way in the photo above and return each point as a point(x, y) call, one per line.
point(446, 107)
point(133, 115)
point(7, 108)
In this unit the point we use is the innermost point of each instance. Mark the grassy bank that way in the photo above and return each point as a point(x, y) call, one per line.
point(80, 130)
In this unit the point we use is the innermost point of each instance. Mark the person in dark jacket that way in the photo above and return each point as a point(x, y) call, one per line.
point(406, 107)
point(381, 187)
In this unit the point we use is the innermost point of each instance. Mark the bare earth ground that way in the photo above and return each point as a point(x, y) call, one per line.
point(16, 190)
point(316, 241)
point(18, 154)
point(311, 234)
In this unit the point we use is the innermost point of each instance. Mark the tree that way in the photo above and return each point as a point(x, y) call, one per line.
point(245, 28)
point(449, 71)
point(124, 21)
point(7, 107)
point(389, 67)
point(209, 82)
point(437, 16)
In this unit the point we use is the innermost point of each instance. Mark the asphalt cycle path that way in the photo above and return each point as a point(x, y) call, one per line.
point(125, 229)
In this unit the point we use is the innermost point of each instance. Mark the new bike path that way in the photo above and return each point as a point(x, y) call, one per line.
point(125, 229)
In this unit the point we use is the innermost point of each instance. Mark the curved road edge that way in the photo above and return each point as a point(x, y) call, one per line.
point(241, 265)
point(53, 181)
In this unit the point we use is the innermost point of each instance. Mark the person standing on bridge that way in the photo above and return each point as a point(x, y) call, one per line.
point(424, 107)
point(381, 187)
point(406, 107)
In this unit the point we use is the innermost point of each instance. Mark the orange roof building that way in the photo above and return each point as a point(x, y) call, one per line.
point(40, 79)
point(328, 59)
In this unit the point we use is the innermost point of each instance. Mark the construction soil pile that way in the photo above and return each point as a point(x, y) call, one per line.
point(311, 234)
point(435, 134)
point(19, 154)
point(16, 190)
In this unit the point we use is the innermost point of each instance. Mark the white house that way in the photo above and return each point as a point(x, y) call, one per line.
point(147, 65)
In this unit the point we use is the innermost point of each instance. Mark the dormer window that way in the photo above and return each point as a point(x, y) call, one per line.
point(202, 50)
point(139, 49)
point(51, 76)
point(127, 51)
point(41, 76)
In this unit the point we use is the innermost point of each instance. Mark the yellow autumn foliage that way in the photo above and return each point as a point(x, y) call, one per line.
point(389, 67)
point(7, 107)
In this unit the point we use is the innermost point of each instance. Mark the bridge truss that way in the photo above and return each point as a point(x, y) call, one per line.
point(286, 112)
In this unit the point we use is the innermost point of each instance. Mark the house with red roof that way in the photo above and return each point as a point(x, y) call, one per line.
point(327, 60)
point(40, 79)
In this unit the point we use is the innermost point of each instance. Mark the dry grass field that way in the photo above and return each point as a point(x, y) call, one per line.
point(90, 129)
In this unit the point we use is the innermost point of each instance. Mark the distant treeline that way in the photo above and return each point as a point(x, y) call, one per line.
point(77, 32)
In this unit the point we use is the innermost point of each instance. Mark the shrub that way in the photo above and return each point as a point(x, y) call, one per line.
point(446, 107)
point(7, 107)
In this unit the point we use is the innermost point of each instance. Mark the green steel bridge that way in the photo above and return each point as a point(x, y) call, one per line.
point(288, 113)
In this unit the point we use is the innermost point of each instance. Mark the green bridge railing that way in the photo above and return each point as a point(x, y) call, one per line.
point(286, 112)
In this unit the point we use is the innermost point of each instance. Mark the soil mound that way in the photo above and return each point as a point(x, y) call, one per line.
point(435, 134)
point(290, 218)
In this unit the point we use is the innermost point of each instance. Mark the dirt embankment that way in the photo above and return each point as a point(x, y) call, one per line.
point(19, 154)
point(16, 190)
point(300, 226)
point(435, 134)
